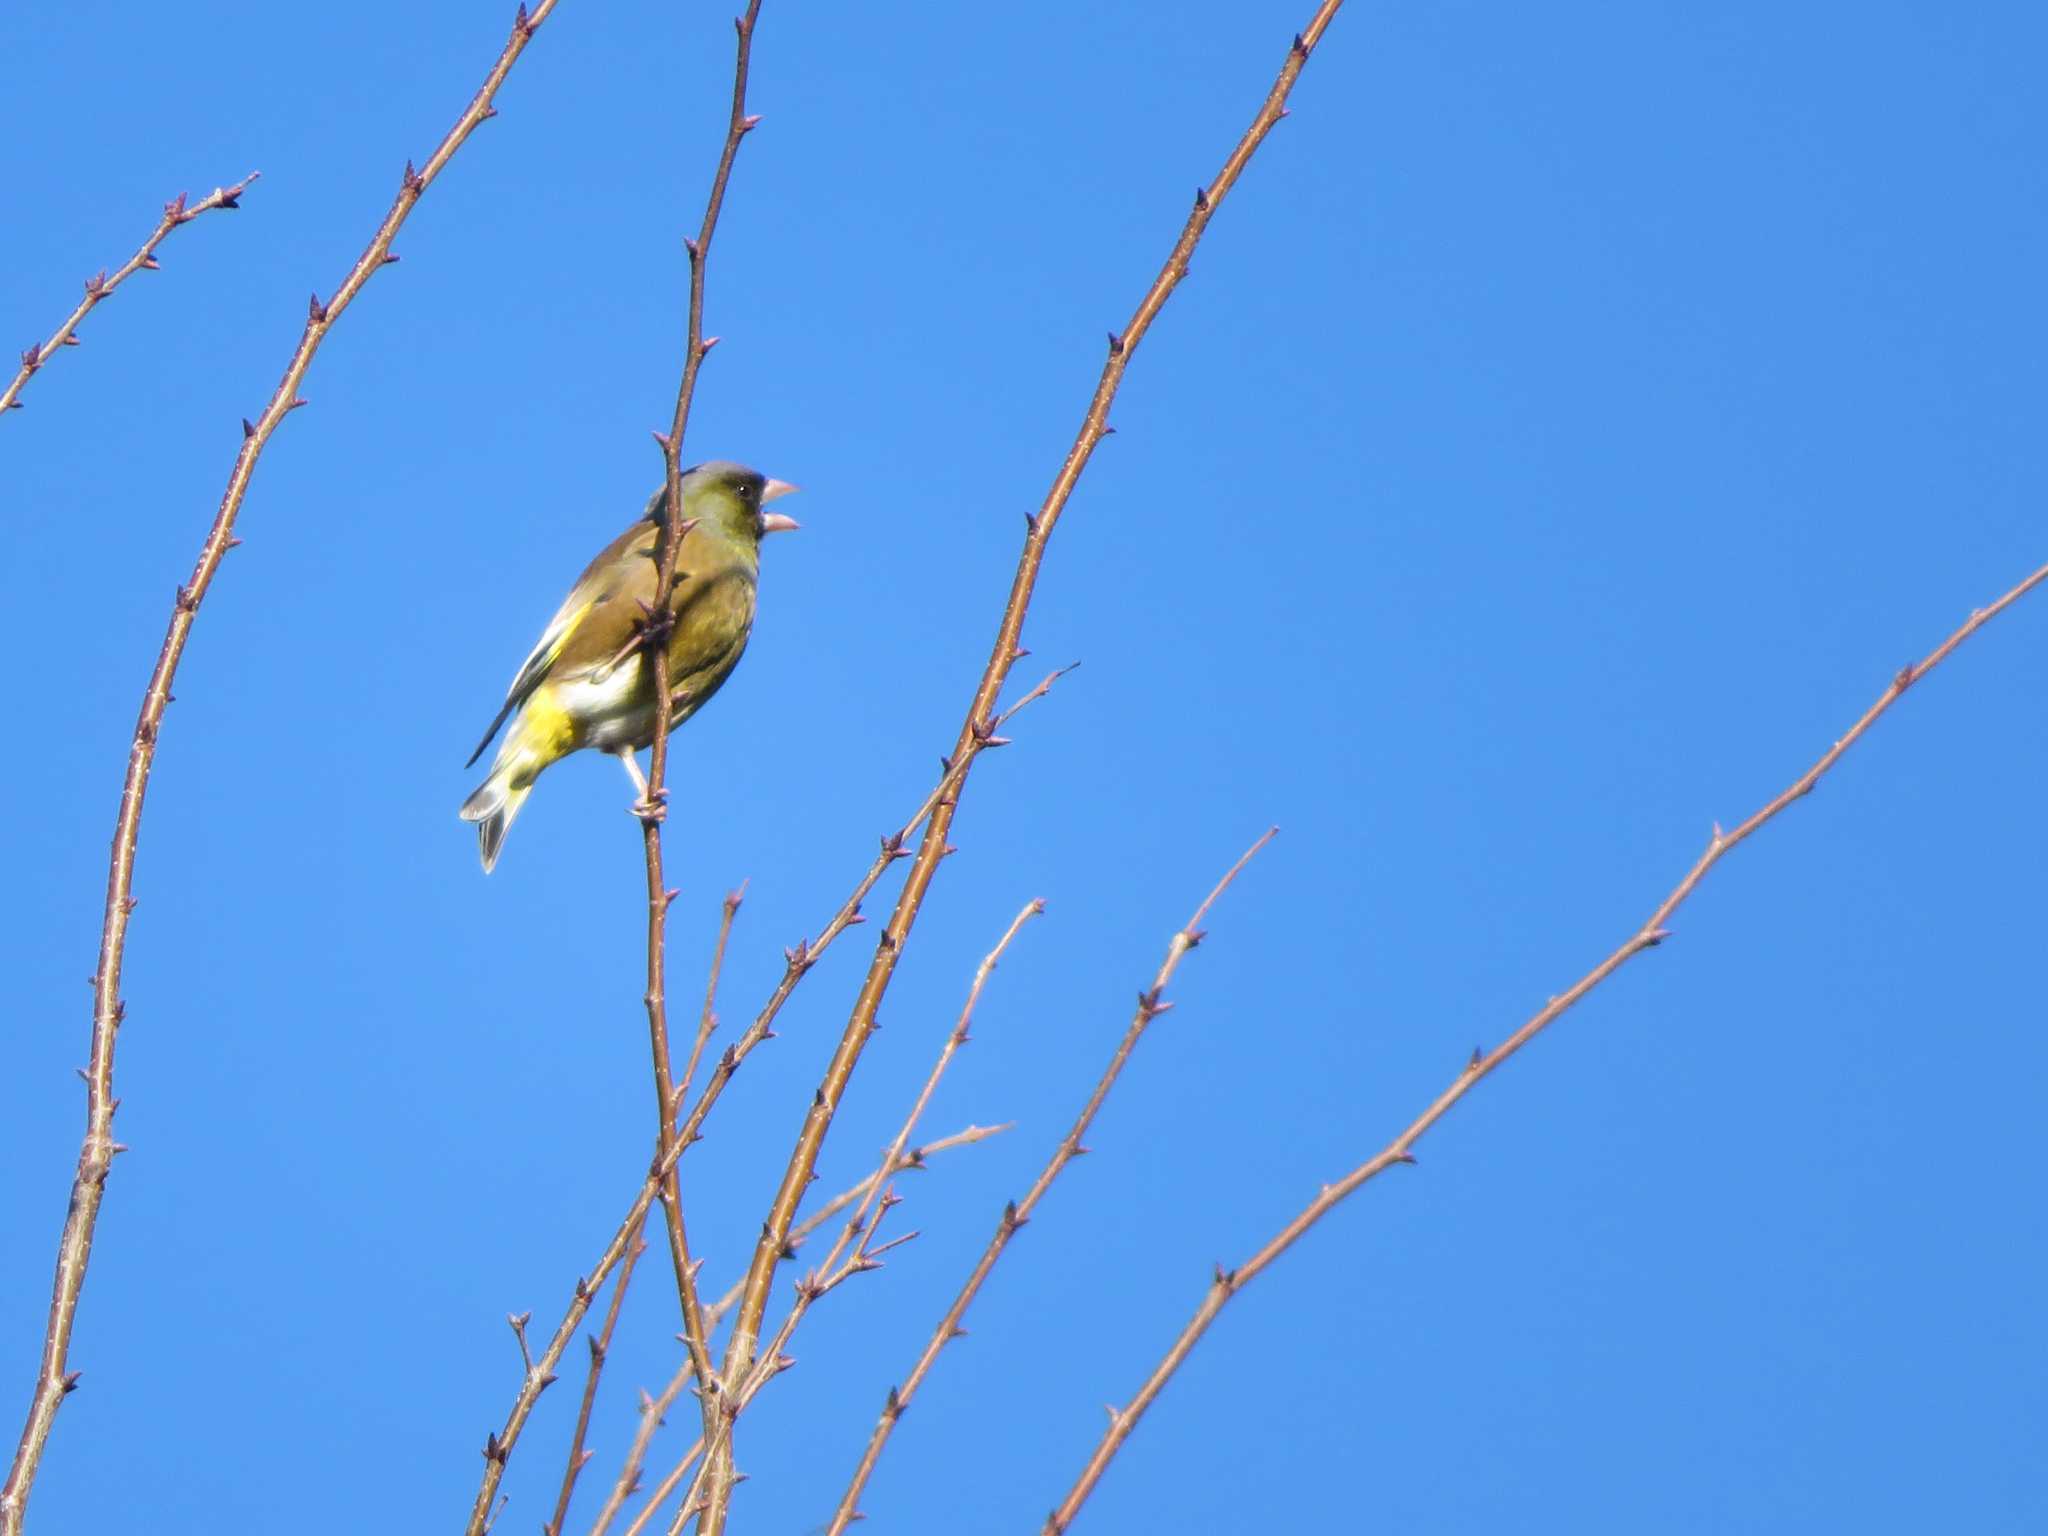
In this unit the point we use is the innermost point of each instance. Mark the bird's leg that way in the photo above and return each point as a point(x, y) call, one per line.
point(649, 807)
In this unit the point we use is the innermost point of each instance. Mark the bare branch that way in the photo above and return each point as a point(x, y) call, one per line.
point(96, 1154)
point(1151, 1003)
point(673, 530)
point(664, 1488)
point(854, 1251)
point(977, 729)
point(101, 284)
point(652, 1411)
point(1227, 1283)
point(600, 1348)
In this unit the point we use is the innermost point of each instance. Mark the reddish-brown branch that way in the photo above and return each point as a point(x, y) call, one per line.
point(653, 1412)
point(600, 1345)
point(800, 962)
point(97, 1152)
point(855, 1250)
point(600, 1349)
point(1151, 1003)
point(1227, 1283)
point(100, 285)
point(976, 729)
point(669, 545)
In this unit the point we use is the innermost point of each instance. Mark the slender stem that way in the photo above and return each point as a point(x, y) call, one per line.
point(668, 547)
point(100, 284)
point(652, 1412)
point(600, 1346)
point(74, 1251)
point(975, 728)
point(914, 1157)
point(600, 1349)
point(500, 1443)
point(1227, 1283)
point(1151, 1003)
point(663, 1489)
point(854, 1251)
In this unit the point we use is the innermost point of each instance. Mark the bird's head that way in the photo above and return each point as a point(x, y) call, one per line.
point(735, 499)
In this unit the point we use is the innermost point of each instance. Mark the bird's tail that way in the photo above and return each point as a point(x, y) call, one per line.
point(492, 807)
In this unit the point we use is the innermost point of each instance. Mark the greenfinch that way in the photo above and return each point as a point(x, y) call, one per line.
point(588, 682)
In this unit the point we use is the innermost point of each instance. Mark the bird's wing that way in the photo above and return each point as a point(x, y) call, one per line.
point(604, 576)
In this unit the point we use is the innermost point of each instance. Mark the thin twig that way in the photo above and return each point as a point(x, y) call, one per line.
point(1227, 1283)
point(601, 1345)
point(802, 959)
point(663, 1489)
point(914, 1157)
point(100, 284)
point(1151, 1003)
point(853, 1252)
point(600, 1349)
point(707, 1020)
point(97, 1152)
point(652, 1411)
point(859, 1230)
point(977, 728)
point(668, 547)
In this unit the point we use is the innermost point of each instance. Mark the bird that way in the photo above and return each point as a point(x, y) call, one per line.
point(588, 683)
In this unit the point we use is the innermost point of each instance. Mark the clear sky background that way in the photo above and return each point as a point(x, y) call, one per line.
point(1578, 415)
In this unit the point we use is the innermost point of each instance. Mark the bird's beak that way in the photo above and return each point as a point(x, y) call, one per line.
point(777, 522)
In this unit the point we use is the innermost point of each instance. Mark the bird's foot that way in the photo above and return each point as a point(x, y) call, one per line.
point(651, 807)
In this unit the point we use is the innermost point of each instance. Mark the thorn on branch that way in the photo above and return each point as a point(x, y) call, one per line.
point(96, 285)
point(523, 24)
point(1478, 1055)
point(174, 210)
point(248, 427)
point(1011, 1220)
point(1116, 345)
point(1908, 675)
point(412, 182)
point(316, 312)
point(389, 258)
point(494, 1448)
point(1300, 47)
point(488, 113)
point(749, 124)
point(71, 1380)
point(1201, 197)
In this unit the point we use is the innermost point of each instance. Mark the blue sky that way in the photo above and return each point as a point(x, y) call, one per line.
point(1574, 420)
